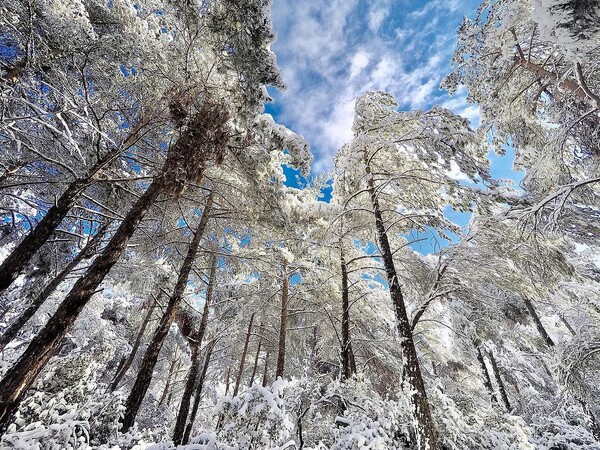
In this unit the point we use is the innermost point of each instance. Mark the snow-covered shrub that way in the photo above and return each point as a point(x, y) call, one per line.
point(256, 418)
point(563, 433)
point(67, 410)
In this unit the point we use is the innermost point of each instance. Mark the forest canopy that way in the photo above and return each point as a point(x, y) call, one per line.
point(164, 284)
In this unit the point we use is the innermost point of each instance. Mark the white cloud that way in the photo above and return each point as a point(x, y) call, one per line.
point(359, 62)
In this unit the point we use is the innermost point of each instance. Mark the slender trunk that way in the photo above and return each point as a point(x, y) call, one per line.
point(18, 259)
point(255, 366)
point(265, 370)
point(184, 405)
point(487, 381)
point(227, 380)
point(144, 377)
point(238, 379)
point(567, 325)
point(424, 426)
point(87, 252)
point(136, 345)
point(21, 376)
point(173, 368)
point(346, 372)
point(538, 323)
point(352, 359)
point(499, 381)
point(196, 343)
point(283, 323)
point(197, 395)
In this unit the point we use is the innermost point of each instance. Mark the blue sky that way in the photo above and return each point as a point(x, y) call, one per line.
point(332, 51)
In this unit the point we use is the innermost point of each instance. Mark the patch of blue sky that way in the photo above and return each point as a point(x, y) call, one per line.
point(331, 52)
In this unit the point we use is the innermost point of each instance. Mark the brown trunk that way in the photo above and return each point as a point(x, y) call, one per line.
point(87, 252)
point(21, 376)
point(18, 259)
point(173, 368)
point(346, 371)
point(352, 359)
point(487, 381)
point(227, 380)
point(238, 379)
point(424, 426)
point(136, 345)
point(184, 405)
point(499, 381)
point(144, 377)
point(255, 366)
point(538, 323)
point(283, 323)
point(195, 343)
point(197, 394)
point(265, 370)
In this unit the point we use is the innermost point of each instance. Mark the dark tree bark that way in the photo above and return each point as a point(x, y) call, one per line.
point(283, 323)
point(499, 381)
point(197, 395)
point(18, 259)
point(345, 350)
point(173, 369)
point(255, 365)
point(136, 345)
point(21, 376)
point(227, 377)
point(87, 252)
point(538, 323)
point(195, 341)
point(265, 370)
point(424, 426)
point(238, 379)
point(487, 381)
point(184, 404)
point(144, 377)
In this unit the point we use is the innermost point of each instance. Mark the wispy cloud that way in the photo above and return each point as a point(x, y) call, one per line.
point(332, 51)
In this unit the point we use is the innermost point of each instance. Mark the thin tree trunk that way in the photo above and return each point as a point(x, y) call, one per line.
point(87, 252)
point(196, 343)
point(567, 325)
point(265, 370)
point(424, 426)
point(18, 259)
point(283, 323)
point(238, 379)
point(538, 323)
point(499, 381)
point(144, 377)
point(184, 405)
point(227, 380)
point(173, 368)
point(21, 376)
point(255, 366)
point(352, 359)
point(197, 395)
point(346, 372)
point(487, 381)
point(136, 345)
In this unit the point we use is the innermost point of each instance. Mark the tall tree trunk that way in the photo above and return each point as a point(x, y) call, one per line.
point(424, 426)
point(195, 343)
point(265, 370)
point(197, 395)
point(238, 379)
point(136, 345)
point(487, 381)
point(255, 366)
point(21, 376)
point(352, 359)
point(227, 377)
point(346, 372)
point(87, 252)
point(173, 368)
point(18, 259)
point(283, 323)
point(144, 377)
point(538, 323)
point(499, 381)
point(184, 405)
